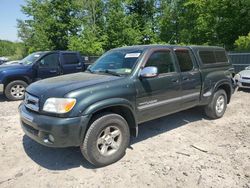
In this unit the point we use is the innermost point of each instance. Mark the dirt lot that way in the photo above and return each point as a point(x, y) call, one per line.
point(181, 150)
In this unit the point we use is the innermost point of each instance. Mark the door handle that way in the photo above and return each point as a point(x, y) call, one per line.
point(53, 71)
point(185, 78)
point(78, 68)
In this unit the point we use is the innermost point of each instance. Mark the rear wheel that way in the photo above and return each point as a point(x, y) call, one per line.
point(15, 90)
point(106, 140)
point(218, 105)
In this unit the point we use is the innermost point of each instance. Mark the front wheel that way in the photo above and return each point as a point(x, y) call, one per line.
point(218, 105)
point(106, 140)
point(15, 90)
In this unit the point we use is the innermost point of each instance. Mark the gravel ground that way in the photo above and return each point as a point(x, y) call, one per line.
point(180, 150)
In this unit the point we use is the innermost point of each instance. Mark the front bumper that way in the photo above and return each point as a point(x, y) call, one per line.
point(65, 132)
point(243, 83)
point(1, 88)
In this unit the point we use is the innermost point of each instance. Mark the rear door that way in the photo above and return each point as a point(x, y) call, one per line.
point(190, 77)
point(161, 95)
point(71, 62)
point(48, 66)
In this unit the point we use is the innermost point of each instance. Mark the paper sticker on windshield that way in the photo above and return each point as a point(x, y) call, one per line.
point(132, 55)
point(37, 55)
point(127, 71)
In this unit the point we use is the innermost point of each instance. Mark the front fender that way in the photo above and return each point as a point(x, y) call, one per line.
point(116, 102)
point(108, 103)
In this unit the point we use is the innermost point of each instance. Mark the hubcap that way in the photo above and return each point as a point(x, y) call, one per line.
point(17, 91)
point(109, 140)
point(220, 104)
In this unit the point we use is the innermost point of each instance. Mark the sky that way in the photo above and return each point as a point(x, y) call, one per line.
point(10, 11)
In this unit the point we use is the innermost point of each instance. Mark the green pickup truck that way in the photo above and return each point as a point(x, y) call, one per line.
point(101, 108)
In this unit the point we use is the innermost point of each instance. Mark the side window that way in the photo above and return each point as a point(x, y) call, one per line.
point(163, 61)
point(213, 56)
point(70, 58)
point(50, 61)
point(207, 57)
point(184, 59)
point(220, 56)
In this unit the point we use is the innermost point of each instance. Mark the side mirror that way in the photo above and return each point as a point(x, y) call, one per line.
point(89, 66)
point(149, 72)
point(247, 68)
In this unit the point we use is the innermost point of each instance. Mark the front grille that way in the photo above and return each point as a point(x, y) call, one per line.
point(30, 129)
point(31, 102)
point(246, 78)
point(245, 84)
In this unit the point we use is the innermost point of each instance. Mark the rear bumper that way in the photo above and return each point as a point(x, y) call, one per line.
point(1, 88)
point(65, 132)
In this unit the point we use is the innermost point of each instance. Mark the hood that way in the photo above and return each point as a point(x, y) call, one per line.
point(245, 73)
point(61, 85)
point(12, 67)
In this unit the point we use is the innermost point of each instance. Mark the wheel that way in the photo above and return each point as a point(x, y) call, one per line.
point(15, 90)
point(218, 105)
point(106, 140)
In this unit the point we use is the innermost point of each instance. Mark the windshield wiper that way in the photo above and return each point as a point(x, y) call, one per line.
point(109, 72)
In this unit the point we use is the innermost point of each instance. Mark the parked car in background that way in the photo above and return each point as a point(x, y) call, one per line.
point(3, 60)
point(11, 62)
point(15, 78)
point(243, 78)
point(100, 109)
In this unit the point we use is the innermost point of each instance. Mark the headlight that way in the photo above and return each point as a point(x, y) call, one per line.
point(237, 77)
point(59, 105)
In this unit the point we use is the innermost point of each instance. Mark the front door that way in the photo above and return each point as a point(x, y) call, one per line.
point(190, 77)
point(48, 66)
point(158, 96)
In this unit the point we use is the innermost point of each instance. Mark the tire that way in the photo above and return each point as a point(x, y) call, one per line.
point(100, 149)
point(17, 94)
point(218, 105)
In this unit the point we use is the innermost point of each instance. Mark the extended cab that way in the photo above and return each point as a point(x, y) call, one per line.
point(16, 77)
point(101, 108)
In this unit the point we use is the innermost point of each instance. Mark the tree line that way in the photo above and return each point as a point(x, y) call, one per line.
point(95, 26)
point(13, 50)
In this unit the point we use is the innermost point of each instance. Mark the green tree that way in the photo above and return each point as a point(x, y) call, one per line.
point(13, 50)
point(119, 27)
point(243, 43)
point(51, 24)
point(143, 14)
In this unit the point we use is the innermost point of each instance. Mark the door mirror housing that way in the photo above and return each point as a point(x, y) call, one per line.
point(89, 66)
point(149, 72)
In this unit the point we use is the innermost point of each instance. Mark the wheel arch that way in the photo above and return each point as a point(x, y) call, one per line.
point(226, 86)
point(16, 78)
point(118, 106)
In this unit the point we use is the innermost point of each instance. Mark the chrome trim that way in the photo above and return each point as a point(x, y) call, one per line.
point(207, 94)
point(31, 102)
point(1, 88)
point(143, 107)
point(149, 72)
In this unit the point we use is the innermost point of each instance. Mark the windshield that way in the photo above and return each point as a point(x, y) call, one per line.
point(120, 62)
point(31, 58)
